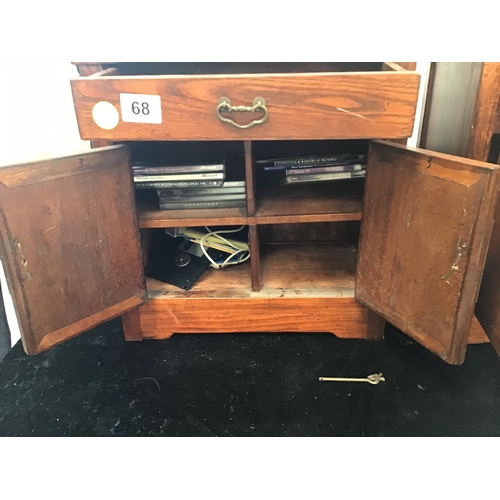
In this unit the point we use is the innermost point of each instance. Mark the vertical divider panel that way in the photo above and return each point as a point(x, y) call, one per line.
point(249, 178)
point(254, 257)
point(252, 228)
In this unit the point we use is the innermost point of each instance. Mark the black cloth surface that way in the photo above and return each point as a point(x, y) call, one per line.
point(246, 385)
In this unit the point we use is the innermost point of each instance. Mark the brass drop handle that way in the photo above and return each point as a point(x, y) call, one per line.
point(224, 106)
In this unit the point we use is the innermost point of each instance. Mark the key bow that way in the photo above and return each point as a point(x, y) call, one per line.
point(375, 378)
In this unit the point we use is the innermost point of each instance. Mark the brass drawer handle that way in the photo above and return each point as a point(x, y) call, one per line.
point(224, 106)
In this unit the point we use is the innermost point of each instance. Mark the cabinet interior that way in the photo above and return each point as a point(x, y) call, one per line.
point(301, 259)
point(305, 238)
point(313, 257)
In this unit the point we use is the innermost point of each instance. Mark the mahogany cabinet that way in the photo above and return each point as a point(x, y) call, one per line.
point(407, 244)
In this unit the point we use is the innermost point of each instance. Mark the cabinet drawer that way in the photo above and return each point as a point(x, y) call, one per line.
point(313, 105)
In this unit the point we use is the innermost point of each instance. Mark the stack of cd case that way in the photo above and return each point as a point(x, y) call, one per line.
point(179, 176)
point(230, 195)
point(304, 169)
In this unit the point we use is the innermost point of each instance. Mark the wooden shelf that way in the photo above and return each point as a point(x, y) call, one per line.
point(318, 202)
point(152, 217)
point(309, 268)
point(315, 202)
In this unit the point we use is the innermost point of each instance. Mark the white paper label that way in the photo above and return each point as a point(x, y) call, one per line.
point(141, 108)
point(105, 115)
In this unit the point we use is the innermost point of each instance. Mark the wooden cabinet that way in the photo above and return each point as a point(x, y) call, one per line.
point(407, 244)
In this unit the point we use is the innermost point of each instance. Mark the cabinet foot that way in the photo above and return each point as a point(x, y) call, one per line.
point(132, 326)
point(166, 335)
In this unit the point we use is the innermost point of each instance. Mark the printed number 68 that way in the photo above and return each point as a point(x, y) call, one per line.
point(140, 108)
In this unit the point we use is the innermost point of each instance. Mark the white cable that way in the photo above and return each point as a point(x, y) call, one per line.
point(226, 263)
point(231, 256)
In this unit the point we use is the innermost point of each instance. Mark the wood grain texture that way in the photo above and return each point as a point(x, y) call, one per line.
point(301, 106)
point(132, 326)
point(70, 243)
point(418, 207)
point(346, 318)
point(485, 112)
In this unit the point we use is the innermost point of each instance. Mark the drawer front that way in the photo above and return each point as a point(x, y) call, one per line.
point(298, 106)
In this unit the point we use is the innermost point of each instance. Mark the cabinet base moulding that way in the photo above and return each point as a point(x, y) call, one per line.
point(344, 317)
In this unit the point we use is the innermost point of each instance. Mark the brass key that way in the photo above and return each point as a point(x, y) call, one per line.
point(371, 379)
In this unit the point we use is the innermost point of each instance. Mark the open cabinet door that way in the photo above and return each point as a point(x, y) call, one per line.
point(488, 302)
point(427, 220)
point(70, 244)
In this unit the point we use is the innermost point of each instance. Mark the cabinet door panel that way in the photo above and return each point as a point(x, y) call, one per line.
point(70, 244)
point(427, 221)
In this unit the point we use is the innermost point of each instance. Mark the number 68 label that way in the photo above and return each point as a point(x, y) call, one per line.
point(141, 108)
